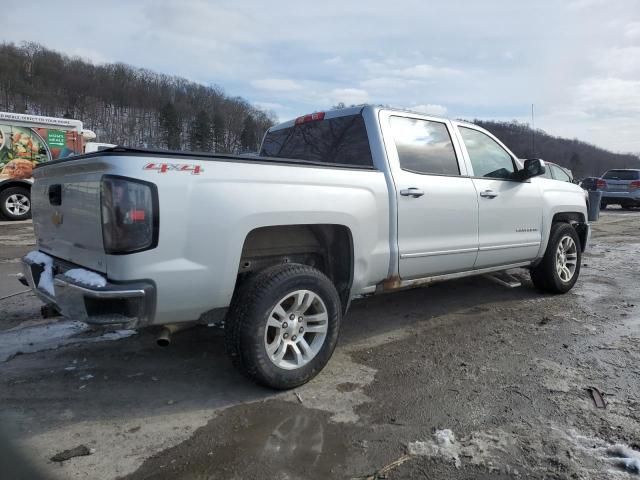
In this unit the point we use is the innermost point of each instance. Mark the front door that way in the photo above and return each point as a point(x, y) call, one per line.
point(510, 211)
point(437, 202)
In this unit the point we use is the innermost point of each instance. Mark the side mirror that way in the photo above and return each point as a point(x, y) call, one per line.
point(532, 168)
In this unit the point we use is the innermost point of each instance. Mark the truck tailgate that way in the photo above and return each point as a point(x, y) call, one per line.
point(67, 212)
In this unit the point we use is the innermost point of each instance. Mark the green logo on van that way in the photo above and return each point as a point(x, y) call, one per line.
point(56, 138)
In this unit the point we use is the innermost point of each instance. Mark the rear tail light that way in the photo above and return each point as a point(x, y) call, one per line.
point(634, 184)
point(129, 215)
point(601, 184)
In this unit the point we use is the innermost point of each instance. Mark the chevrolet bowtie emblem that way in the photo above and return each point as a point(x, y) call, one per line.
point(56, 218)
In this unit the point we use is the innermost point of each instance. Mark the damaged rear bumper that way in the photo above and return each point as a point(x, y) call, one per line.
point(128, 303)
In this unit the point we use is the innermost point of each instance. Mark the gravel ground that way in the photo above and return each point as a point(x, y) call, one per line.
point(465, 379)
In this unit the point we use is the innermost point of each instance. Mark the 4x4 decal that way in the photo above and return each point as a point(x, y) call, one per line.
point(174, 167)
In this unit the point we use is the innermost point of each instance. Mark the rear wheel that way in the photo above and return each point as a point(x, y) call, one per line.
point(283, 325)
point(560, 267)
point(15, 203)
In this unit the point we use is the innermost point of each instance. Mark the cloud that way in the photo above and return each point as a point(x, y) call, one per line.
point(89, 54)
point(333, 60)
point(610, 95)
point(276, 84)
point(619, 61)
point(424, 71)
point(632, 31)
point(582, 4)
point(349, 96)
point(269, 105)
point(492, 61)
point(430, 109)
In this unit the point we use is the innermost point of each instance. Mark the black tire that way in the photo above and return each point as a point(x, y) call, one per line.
point(6, 195)
point(603, 206)
point(246, 322)
point(545, 276)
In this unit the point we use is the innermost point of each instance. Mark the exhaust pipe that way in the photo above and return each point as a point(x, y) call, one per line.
point(164, 337)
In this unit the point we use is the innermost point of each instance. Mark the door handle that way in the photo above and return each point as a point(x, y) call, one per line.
point(488, 194)
point(411, 192)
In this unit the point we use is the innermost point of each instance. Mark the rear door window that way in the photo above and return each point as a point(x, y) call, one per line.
point(424, 146)
point(339, 140)
point(487, 157)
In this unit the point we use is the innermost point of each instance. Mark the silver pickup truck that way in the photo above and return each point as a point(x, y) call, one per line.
point(338, 205)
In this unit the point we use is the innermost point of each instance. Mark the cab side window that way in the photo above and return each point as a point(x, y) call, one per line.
point(424, 146)
point(488, 158)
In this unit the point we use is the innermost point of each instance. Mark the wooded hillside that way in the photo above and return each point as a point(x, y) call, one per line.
point(137, 107)
point(582, 158)
point(126, 105)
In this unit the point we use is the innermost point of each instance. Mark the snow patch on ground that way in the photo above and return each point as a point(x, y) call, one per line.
point(46, 278)
point(480, 448)
point(586, 456)
point(625, 458)
point(86, 277)
point(50, 336)
point(443, 445)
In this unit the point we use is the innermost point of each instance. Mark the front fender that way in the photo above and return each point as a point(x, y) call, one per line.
point(562, 201)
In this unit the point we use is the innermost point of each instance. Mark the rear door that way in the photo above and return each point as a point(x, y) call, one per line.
point(510, 211)
point(437, 202)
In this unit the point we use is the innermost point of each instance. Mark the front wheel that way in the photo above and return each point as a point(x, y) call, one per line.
point(283, 325)
point(15, 203)
point(559, 269)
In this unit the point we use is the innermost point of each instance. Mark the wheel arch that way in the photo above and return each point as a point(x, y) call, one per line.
point(578, 221)
point(327, 247)
point(15, 183)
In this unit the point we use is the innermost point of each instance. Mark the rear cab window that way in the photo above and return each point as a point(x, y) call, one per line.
point(339, 140)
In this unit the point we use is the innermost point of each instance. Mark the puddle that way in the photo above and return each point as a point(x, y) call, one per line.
point(273, 439)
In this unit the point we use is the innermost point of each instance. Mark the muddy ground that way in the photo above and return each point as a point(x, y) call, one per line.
point(466, 379)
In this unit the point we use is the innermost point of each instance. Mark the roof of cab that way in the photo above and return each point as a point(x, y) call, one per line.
point(341, 112)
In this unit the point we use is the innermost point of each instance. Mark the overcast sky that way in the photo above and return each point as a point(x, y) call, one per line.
point(578, 61)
